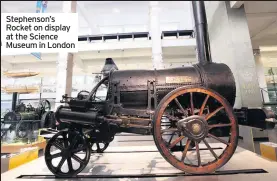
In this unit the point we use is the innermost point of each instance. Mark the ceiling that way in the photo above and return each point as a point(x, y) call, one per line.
point(103, 17)
point(262, 22)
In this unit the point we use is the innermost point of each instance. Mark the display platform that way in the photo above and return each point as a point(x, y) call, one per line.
point(16, 147)
point(134, 160)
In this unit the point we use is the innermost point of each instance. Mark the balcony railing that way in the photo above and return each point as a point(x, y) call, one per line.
point(135, 35)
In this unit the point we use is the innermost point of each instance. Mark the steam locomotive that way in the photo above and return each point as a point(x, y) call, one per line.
point(23, 118)
point(181, 108)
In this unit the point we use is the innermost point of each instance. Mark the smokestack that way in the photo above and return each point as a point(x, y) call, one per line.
point(109, 66)
point(14, 100)
point(201, 32)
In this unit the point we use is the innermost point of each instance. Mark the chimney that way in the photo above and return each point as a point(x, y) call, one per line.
point(201, 32)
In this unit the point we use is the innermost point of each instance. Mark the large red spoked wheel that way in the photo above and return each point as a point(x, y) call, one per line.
point(202, 122)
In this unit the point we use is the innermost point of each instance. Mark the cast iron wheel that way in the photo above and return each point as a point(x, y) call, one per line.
point(44, 106)
point(3, 133)
point(68, 144)
point(99, 147)
point(195, 107)
point(48, 120)
point(22, 129)
point(12, 116)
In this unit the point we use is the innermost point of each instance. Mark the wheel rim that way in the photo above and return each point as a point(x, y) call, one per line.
point(188, 111)
point(44, 106)
point(68, 145)
point(22, 130)
point(12, 116)
point(99, 147)
point(47, 120)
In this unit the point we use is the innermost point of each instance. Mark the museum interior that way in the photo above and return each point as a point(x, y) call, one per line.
point(158, 90)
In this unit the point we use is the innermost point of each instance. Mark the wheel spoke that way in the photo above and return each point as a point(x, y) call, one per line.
point(60, 164)
point(176, 141)
point(180, 106)
point(181, 145)
point(211, 150)
point(78, 149)
point(203, 105)
point(213, 113)
point(191, 104)
point(171, 138)
point(74, 142)
point(98, 147)
point(58, 145)
point(55, 156)
point(78, 159)
point(219, 125)
point(218, 139)
point(69, 163)
point(65, 140)
point(185, 150)
point(198, 153)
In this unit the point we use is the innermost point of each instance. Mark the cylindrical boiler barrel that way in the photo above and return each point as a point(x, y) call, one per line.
point(29, 115)
point(134, 84)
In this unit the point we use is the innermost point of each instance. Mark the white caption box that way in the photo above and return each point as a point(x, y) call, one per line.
point(44, 32)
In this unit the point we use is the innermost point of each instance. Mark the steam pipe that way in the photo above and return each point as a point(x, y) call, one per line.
point(201, 32)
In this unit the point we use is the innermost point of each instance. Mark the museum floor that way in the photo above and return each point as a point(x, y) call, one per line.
point(136, 158)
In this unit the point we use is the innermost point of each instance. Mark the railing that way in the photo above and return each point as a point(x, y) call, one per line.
point(272, 98)
point(272, 94)
point(135, 35)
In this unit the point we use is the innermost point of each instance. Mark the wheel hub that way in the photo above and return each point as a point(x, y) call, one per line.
point(66, 153)
point(194, 127)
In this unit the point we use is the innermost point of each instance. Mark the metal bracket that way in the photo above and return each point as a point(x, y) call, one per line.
point(151, 88)
point(116, 93)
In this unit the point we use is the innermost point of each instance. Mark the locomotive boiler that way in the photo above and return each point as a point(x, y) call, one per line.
point(186, 109)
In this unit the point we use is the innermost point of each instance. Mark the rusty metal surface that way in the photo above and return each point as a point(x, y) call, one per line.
point(133, 84)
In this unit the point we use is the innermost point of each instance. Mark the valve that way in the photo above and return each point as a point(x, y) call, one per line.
point(65, 99)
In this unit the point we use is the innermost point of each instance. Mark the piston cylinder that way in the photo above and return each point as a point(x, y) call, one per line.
point(65, 114)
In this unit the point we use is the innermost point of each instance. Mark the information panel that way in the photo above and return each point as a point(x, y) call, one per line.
point(39, 32)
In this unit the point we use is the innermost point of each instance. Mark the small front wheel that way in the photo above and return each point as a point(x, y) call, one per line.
point(67, 153)
point(99, 147)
